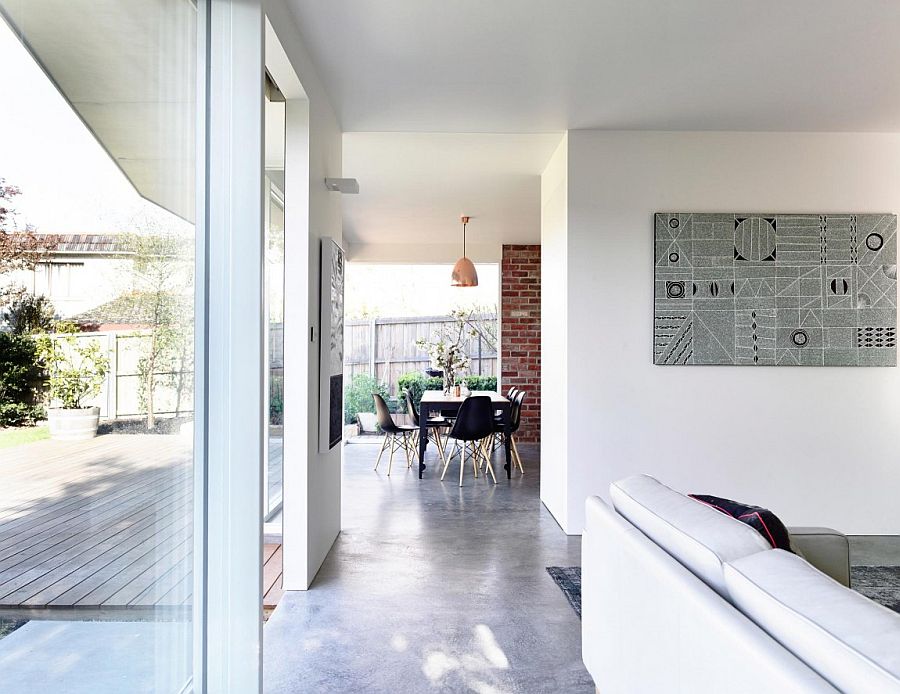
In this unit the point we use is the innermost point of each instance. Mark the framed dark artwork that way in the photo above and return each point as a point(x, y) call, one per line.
point(775, 289)
point(331, 355)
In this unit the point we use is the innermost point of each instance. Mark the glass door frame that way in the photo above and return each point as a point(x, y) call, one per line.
point(230, 355)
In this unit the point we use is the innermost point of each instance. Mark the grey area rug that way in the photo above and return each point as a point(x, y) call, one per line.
point(878, 583)
point(568, 578)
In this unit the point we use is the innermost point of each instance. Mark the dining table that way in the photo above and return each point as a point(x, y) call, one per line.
point(437, 404)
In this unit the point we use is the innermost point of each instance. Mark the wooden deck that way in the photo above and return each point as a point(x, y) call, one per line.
point(102, 524)
point(272, 578)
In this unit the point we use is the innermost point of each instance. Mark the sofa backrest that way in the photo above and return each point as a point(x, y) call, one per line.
point(650, 625)
point(851, 641)
point(699, 537)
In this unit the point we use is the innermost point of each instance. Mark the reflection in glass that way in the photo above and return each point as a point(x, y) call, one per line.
point(274, 277)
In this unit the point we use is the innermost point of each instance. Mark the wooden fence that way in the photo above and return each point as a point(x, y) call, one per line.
point(386, 348)
point(120, 394)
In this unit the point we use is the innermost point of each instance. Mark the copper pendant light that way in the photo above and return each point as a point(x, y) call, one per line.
point(464, 274)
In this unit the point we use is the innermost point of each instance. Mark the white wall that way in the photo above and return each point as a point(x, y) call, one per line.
point(816, 445)
point(554, 311)
point(312, 481)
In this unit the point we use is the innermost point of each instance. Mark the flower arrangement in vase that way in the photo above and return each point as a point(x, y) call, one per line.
point(446, 353)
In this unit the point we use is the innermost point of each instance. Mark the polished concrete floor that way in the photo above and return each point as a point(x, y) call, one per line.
point(432, 587)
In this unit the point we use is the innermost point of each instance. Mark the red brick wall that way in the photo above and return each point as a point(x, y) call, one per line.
point(520, 339)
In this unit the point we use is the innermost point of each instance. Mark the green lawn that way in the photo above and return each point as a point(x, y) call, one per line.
point(19, 435)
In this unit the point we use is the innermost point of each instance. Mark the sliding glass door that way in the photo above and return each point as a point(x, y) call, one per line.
point(98, 139)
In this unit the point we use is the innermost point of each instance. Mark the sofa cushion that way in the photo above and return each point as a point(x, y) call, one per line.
point(762, 520)
point(851, 641)
point(699, 537)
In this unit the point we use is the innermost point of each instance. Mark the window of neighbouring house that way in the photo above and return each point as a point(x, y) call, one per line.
point(58, 280)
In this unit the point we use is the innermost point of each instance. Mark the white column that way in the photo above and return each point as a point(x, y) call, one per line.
point(230, 351)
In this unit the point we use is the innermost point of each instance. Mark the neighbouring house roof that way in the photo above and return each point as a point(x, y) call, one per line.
point(128, 311)
point(90, 243)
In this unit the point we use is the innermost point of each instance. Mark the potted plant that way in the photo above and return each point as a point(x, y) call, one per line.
point(446, 352)
point(75, 372)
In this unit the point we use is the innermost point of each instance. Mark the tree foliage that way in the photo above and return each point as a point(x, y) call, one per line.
point(478, 321)
point(28, 314)
point(161, 275)
point(20, 249)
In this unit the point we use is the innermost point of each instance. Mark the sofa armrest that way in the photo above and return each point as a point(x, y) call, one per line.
point(826, 549)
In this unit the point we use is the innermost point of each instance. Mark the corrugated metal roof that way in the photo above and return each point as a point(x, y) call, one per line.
point(89, 243)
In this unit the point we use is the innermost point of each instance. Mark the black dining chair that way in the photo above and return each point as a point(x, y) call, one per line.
point(433, 427)
point(396, 436)
point(474, 426)
point(515, 420)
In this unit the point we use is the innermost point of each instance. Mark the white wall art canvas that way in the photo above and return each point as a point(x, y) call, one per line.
point(775, 289)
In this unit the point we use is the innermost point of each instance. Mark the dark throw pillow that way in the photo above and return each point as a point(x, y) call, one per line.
point(761, 519)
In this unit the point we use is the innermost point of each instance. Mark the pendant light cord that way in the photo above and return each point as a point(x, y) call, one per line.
point(464, 239)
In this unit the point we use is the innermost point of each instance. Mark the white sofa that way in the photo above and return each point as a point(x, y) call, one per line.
point(678, 597)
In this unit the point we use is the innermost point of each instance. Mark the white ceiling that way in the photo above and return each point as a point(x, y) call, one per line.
point(545, 65)
point(414, 187)
point(127, 69)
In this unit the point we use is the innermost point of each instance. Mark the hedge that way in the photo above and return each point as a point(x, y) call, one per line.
point(417, 383)
point(17, 373)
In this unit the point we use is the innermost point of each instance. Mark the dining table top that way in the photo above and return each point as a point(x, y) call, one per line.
point(437, 396)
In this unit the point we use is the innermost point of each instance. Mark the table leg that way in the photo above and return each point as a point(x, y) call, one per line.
point(423, 444)
point(507, 439)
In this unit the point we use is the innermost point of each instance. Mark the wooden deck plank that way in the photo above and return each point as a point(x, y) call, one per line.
point(273, 578)
point(182, 560)
point(84, 560)
point(272, 570)
point(43, 504)
point(181, 592)
point(130, 593)
point(82, 502)
point(99, 580)
point(83, 521)
point(75, 547)
point(56, 539)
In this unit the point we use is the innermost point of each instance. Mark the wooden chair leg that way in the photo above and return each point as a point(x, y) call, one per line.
point(475, 458)
point(462, 464)
point(406, 446)
point(381, 452)
point(446, 465)
point(393, 448)
point(486, 451)
point(515, 451)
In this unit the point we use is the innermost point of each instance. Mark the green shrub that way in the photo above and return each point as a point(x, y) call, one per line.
point(29, 314)
point(17, 374)
point(417, 383)
point(76, 371)
point(481, 382)
point(358, 396)
point(19, 414)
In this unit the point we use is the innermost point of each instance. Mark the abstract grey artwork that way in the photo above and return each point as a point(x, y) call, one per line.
point(775, 289)
point(331, 356)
